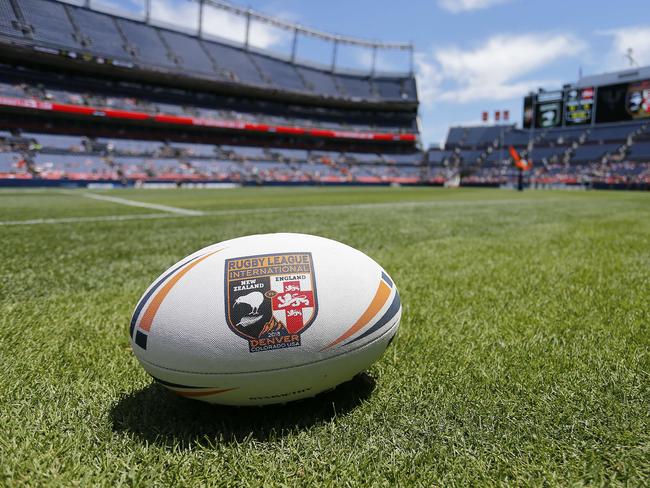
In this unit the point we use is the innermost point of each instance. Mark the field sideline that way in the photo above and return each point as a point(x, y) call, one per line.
point(523, 356)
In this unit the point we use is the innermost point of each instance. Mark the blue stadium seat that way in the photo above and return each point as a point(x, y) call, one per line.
point(469, 157)
point(562, 135)
point(8, 162)
point(593, 152)
point(234, 61)
point(517, 138)
point(170, 108)
point(57, 142)
point(319, 81)
point(281, 73)
point(497, 156)
point(9, 90)
point(149, 48)
point(355, 87)
point(101, 30)
point(640, 151)
point(196, 150)
point(539, 153)
point(437, 156)
point(455, 135)
point(291, 154)
point(363, 157)
point(404, 159)
point(77, 163)
point(188, 51)
point(249, 152)
point(132, 146)
point(389, 88)
point(332, 155)
point(410, 89)
point(612, 133)
point(50, 22)
point(477, 136)
point(8, 18)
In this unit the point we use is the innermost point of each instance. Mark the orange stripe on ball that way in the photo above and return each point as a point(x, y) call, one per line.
point(201, 393)
point(150, 313)
point(379, 300)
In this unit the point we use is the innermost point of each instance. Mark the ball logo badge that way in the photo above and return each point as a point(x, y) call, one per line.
point(270, 299)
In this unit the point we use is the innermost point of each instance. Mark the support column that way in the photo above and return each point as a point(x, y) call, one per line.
point(248, 28)
point(336, 47)
point(294, 48)
point(201, 7)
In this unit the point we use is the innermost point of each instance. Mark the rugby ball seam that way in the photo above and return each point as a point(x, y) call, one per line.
point(393, 326)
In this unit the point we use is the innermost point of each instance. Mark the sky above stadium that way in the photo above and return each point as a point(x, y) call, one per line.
point(471, 55)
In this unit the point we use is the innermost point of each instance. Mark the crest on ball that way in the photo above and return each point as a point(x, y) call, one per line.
point(270, 299)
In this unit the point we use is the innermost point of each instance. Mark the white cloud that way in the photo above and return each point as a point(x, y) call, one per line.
point(457, 6)
point(429, 78)
point(636, 38)
point(494, 70)
point(181, 14)
point(217, 22)
point(121, 7)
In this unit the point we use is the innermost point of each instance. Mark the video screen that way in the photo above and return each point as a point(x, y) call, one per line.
point(637, 100)
point(528, 112)
point(548, 111)
point(625, 101)
point(578, 105)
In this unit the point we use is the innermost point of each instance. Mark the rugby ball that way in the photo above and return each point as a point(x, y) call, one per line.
point(265, 319)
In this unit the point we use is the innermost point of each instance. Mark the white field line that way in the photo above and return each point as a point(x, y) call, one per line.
point(376, 206)
point(23, 191)
point(307, 208)
point(134, 203)
point(100, 218)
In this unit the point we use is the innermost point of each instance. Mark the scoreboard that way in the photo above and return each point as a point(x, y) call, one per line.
point(576, 106)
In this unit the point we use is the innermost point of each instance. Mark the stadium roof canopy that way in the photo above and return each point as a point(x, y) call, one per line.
point(623, 76)
point(247, 19)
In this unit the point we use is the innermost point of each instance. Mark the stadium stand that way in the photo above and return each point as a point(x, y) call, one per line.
point(139, 45)
point(237, 64)
point(48, 22)
point(319, 81)
point(145, 43)
point(609, 156)
point(77, 158)
point(87, 95)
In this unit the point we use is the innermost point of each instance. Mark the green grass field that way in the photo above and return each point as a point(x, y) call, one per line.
point(523, 356)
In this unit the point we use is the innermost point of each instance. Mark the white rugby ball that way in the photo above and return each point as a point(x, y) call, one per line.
point(265, 319)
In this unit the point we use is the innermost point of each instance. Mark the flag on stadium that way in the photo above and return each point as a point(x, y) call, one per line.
point(520, 163)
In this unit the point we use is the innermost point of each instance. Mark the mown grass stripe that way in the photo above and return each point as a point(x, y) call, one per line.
point(263, 210)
